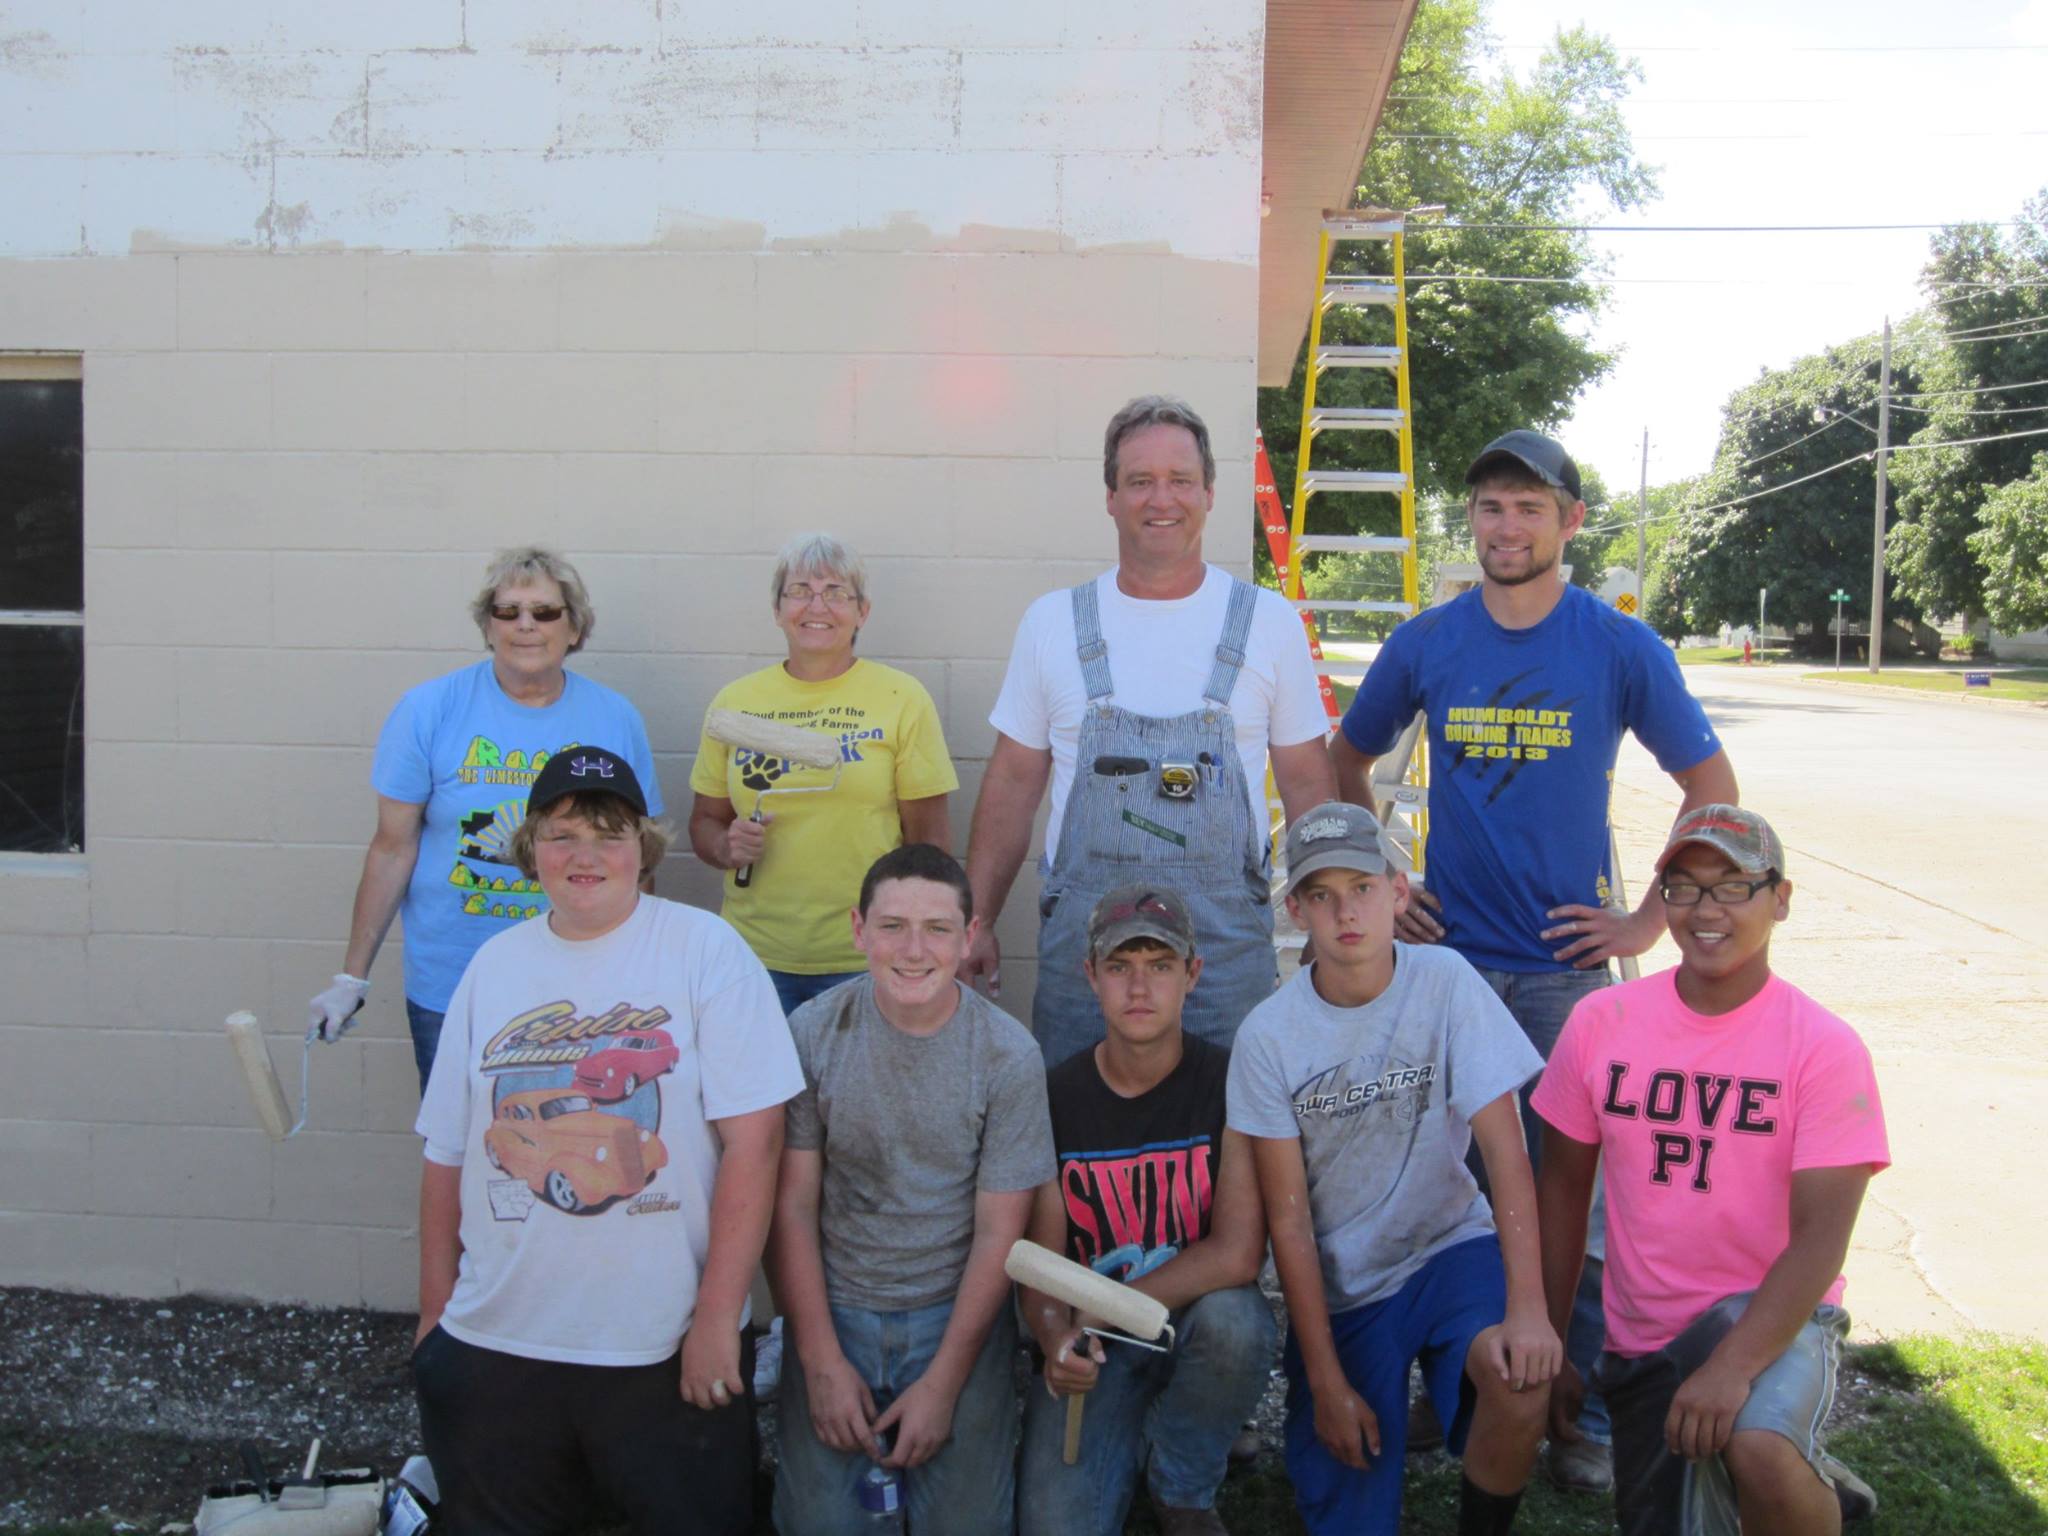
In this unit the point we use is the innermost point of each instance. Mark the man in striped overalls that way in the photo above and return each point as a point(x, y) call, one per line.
point(1151, 698)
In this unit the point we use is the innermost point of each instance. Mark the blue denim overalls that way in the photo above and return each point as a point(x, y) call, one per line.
point(1120, 827)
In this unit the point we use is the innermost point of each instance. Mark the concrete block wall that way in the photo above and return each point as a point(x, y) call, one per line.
point(361, 294)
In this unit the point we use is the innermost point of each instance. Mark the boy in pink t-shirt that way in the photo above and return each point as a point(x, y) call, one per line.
point(1738, 1123)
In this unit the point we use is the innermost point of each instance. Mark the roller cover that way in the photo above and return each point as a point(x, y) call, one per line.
point(736, 728)
point(246, 1036)
point(1079, 1286)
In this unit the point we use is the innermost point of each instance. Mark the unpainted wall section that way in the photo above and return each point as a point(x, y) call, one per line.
point(304, 438)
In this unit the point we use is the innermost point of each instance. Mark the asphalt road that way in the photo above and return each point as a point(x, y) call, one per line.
point(1915, 827)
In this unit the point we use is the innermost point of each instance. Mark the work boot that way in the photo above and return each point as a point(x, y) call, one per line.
point(1174, 1521)
point(1425, 1430)
point(1581, 1466)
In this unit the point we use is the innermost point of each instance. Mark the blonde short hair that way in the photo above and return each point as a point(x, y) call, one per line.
point(607, 813)
point(529, 562)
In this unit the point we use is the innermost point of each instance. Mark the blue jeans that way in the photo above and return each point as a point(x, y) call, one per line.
point(1541, 1001)
point(1174, 1415)
point(968, 1489)
point(426, 1037)
point(793, 991)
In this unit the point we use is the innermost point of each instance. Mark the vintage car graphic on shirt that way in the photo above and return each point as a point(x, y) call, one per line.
point(577, 1157)
point(616, 1068)
point(576, 1104)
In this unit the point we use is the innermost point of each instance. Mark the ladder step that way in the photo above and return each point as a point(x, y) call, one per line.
point(1356, 418)
point(1353, 679)
point(1348, 605)
point(1355, 543)
point(1361, 227)
point(1358, 357)
point(1391, 481)
point(1358, 292)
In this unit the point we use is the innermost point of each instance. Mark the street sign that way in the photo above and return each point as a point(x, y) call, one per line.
point(1838, 597)
point(1626, 602)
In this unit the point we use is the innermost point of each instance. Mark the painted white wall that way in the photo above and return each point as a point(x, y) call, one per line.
point(362, 292)
point(457, 124)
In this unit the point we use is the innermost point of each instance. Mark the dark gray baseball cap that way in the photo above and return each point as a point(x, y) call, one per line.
point(1543, 457)
point(1338, 835)
point(575, 769)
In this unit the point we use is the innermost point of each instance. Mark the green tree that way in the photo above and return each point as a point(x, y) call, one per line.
point(1988, 291)
point(1516, 155)
point(2013, 546)
point(1755, 527)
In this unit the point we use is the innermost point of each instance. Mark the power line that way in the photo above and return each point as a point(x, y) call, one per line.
point(1740, 138)
point(1749, 50)
point(1724, 229)
point(2004, 410)
point(1987, 389)
point(1772, 490)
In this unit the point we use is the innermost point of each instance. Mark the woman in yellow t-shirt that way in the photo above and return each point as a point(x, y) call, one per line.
point(809, 852)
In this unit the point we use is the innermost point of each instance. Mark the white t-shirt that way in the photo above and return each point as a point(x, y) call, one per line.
point(1161, 652)
point(574, 1086)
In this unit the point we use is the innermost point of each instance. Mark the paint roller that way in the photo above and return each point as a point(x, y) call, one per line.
point(1141, 1318)
point(267, 1093)
point(797, 747)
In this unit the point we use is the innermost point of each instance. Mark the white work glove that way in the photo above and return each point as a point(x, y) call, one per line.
point(330, 1013)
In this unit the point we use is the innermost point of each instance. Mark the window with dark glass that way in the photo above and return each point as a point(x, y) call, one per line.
point(42, 607)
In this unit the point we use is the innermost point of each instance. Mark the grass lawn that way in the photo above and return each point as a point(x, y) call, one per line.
point(1952, 1433)
point(1701, 655)
point(2027, 683)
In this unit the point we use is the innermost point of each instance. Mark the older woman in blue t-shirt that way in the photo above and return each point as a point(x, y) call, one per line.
point(452, 770)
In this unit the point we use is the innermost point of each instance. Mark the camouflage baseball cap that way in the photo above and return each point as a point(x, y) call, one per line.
point(1743, 836)
point(1140, 912)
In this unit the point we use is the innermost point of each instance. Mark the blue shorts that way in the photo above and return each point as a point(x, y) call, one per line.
point(1456, 1296)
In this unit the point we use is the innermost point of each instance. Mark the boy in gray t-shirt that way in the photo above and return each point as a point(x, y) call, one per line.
point(909, 1167)
point(1361, 1084)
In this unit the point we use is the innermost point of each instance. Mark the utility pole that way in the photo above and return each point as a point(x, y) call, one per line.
point(1884, 422)
point(1642, 517)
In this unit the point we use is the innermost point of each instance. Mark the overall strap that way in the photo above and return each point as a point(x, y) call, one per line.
point(1089, 646)
point(1237, 629)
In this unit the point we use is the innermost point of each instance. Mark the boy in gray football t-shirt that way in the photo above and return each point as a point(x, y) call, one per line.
point(1362, 1084)
point(911, 1160)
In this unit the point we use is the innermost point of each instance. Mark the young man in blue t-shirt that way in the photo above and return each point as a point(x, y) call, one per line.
point(1528, 684)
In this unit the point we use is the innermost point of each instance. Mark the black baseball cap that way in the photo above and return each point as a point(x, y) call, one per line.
point(1542, 456)
point(576, 769)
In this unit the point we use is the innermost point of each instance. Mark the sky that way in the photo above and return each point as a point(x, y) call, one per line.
point(1787, 112)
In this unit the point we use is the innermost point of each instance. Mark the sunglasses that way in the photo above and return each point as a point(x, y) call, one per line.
point(543, 613)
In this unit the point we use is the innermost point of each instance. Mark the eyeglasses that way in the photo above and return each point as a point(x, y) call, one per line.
point(1727, 893)
point(543, 613)
point(800, 594)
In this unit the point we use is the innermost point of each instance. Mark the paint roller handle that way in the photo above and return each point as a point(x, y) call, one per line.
point(746, 846)
point(1070, 1447)
point(332, 1013)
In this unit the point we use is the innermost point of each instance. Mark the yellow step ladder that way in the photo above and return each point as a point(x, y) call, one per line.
point(1400, 779)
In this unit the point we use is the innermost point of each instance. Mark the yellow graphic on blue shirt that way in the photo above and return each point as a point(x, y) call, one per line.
point(1507, 733)
point(576, 1109)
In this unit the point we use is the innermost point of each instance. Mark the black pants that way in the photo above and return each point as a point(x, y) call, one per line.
point(528, 1447)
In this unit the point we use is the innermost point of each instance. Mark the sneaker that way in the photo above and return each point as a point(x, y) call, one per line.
point(768, 1362)
point(1247, 1445)
point(1581, 1466)
point(1856, 1497)
point(1189, 1522)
